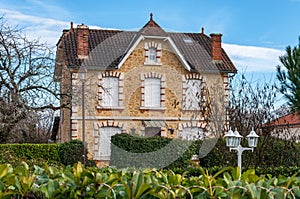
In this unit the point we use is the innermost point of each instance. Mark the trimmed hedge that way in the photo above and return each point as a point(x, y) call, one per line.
point(67, 153)
point(151, 152)
point(157, 152)
point(38, 154)
point(71, 153)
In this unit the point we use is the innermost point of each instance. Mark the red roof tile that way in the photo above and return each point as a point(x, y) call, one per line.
point(290, 119)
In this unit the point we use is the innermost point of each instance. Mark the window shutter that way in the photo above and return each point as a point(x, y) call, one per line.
point(192, 133)
point(110, 94)
point(193, 94)
point(152, 92)
point(105, 139)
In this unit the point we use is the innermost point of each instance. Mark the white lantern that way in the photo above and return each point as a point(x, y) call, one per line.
point(230, 139)
point(238, 138)
point(252, 139)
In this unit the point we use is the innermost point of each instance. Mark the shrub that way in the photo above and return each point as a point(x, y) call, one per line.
point(37, 154)
point(150, 152)
point(70, 152)
point(270, 152)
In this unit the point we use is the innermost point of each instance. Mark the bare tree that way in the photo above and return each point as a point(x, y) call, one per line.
point(254, 106)
point(26, 82)
point(250, 105)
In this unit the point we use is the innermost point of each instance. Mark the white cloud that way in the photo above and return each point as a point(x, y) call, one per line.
point(46, 29)
point(253, 59)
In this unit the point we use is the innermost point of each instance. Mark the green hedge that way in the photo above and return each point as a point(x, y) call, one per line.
point(33, 153)
point(151, 152)
point(67, 153)
point(71, 153)
point(270, 152)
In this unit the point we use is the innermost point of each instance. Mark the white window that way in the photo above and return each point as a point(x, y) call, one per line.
point(152, 55)
point(152, 92)
point(193, 94)
point(110, 94)
point(192, 133)
point(105, 141)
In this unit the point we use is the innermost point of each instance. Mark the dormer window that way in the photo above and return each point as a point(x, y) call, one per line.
point(152, 53)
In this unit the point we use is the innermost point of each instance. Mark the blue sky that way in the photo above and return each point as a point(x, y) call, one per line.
point(255, 33)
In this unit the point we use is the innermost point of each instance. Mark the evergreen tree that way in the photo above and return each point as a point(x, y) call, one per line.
point(289, 76)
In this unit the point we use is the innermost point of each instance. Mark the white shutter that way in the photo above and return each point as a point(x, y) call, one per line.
point(192, 133)
point(152, 92)
point(110, 94)
point(193, 94)
point(104, 141)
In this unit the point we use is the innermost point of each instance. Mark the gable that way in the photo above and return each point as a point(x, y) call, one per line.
point(168, 40)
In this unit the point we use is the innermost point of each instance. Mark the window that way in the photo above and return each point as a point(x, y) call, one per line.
point(105, 139)
point(193, 94)
point(152, 92)
point(152, 55)
point(110, 94)
point(192, 133)
point(152, 131)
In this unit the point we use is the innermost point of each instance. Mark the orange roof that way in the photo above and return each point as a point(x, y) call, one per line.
point(290, 119)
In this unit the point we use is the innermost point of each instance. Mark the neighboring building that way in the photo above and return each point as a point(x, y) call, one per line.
point(286, 127)
point(148, 82)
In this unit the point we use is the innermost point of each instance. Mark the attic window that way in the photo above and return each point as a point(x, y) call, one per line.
point(152, 53)
point(188, 40)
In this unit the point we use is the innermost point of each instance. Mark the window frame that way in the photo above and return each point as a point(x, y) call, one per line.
point(152, 58)
point(119, 89)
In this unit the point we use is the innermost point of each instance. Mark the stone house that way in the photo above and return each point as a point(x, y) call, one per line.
point(148, 82)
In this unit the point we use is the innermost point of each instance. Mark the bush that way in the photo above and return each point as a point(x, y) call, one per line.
point(150, 152)
point(79, 182)
point(270, 152)
point(71, 152)
point(273, 171)
point(37, 154)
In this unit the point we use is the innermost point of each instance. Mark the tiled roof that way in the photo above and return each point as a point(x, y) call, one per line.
point(108, 47)
point(290, 119)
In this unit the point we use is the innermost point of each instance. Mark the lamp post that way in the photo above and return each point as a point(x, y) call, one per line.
point(82, 75)
point(233, 141)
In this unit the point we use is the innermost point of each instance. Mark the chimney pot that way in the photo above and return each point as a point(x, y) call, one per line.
point(216, 46)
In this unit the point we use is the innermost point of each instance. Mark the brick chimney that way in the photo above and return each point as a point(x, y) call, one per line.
point(216, 47)
point(82, 41)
